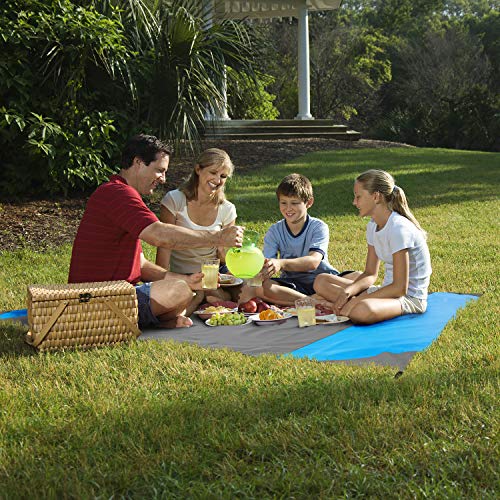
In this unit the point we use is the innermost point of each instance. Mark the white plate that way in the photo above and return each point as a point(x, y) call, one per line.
point(246, 323)
point(255, 318)
point(234, 280)
point(328, 319)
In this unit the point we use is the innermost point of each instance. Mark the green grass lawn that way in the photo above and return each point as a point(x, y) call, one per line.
point(158, 419)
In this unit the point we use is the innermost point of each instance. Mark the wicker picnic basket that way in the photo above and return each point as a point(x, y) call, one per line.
point(81, 315)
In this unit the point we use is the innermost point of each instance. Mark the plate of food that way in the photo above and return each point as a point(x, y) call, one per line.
point(323, 314)
point(330, 319)
point(208, 311)
point(270, 316)
point(228, 319)
point(229, 280)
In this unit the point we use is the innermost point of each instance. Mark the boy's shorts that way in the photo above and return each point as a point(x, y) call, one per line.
point(409, 305)
point(146, 317)
point(305, 288)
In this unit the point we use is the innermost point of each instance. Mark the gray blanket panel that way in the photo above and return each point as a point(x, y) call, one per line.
point(248, 339)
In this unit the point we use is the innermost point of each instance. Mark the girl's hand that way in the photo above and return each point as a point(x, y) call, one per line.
point(342, 300)
point(349, 306)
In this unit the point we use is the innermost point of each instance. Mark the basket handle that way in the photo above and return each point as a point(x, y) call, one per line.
point(122, 316)
point(50, 323)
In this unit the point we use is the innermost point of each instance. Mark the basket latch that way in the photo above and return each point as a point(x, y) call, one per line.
point(85, 297)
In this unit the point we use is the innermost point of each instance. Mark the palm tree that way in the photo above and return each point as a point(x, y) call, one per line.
point(180, 62)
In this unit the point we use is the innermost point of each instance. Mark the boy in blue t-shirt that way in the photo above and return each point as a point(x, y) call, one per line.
point(295, 248)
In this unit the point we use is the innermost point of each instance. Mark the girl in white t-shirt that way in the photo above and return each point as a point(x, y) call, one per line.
point(394, 237)
point(199, 204)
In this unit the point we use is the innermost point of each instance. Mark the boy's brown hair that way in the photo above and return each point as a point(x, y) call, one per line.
point(297, 186)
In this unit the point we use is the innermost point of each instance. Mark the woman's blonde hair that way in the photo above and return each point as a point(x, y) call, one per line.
point(211, 157)
point(383, 182)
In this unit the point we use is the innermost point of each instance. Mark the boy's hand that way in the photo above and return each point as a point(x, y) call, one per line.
point(270, 268)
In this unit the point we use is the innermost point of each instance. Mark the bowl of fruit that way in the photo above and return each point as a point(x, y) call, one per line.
point(254, 305)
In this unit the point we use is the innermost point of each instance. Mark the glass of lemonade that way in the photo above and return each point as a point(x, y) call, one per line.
point(210, 270)
point(306, 312)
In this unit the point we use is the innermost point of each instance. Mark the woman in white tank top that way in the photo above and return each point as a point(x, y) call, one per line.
point(199, 204)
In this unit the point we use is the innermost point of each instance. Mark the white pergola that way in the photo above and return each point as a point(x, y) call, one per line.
point(245, 9)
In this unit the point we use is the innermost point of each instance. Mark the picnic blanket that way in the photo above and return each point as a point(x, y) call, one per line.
point(389, 343)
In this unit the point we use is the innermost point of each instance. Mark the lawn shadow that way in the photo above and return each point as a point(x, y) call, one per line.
point(12, 342)
point(428, 177)
point(217, 437)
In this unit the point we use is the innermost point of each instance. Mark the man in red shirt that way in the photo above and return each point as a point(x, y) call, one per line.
point(108, 242)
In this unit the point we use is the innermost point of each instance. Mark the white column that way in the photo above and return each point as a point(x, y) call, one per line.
point(215, 114)
point(303, 70)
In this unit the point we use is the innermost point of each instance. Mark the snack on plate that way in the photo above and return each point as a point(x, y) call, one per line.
point(326, 318)
point(226, 279)
point(269, 314)
point(216, 309)
point(322, 310)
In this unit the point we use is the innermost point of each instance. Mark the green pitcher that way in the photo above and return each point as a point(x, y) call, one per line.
point(247, 261)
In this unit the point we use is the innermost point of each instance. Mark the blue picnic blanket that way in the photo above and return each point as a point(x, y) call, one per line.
point(399, 336)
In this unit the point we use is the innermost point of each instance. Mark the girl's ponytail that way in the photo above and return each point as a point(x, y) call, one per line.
point(399, 204)
point(383, 182)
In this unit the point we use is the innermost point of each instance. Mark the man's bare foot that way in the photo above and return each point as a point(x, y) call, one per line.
point(183, 322)
point(177, 322)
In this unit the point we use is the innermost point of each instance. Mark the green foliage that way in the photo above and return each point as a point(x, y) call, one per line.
point(248, 98)
point(79, 77)
point(187, 77)
point(372, 64)
point(60, 78)
point(72, 159)
point(279, 37)
point(348, 68)
point(173, 420)
point(444, 94)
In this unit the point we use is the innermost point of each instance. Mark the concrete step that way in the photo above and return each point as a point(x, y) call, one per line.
point(282, 129)
point(273, 123)
point(275, 129)
point(348, 135)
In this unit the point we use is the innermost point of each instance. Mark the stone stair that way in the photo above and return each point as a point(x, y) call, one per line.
point(278, 129)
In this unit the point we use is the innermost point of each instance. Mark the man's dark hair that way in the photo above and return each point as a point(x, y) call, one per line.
point(145, 147)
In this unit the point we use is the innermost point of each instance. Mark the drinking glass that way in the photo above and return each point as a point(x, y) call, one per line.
point(255, 281)
point(210, 270)
point(306, 312)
